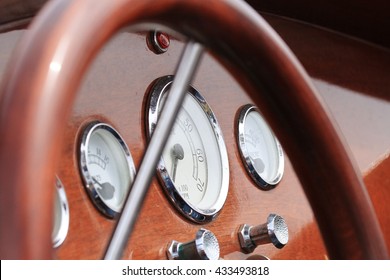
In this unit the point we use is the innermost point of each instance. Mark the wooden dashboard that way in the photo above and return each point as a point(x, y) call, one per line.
point(352, 77)
point(114, 92)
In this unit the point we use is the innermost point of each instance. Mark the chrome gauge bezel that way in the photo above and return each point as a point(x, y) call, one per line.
point(246, 159)
point(85, 173)
point(155, 100)
point(61, 230)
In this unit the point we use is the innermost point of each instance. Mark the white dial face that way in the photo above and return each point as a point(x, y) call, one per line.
point(191, 153)
point(110, 168)
point(261, 146)
point(261, 150)
point(194, 169)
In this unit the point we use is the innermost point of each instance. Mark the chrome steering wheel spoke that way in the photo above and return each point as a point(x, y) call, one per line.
point(184, 74)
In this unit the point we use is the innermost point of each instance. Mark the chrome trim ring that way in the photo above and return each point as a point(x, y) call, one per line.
point(248, 161)
point(154, 43)
point(196, 214)
point(89, 185)
point(61, 215)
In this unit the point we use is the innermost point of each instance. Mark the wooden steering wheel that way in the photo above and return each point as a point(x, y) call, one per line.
point(39, 90)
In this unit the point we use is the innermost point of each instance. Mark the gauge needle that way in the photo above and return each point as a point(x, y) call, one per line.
point(258, 163)
point(106, 190)
point(178, 154)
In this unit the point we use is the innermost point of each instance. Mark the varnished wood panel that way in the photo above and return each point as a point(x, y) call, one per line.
point(366, 20)
point(327, 186)
point(108, 95)
point(16, 14)
point(113, 94)
point(338, 59)
point(378, 184)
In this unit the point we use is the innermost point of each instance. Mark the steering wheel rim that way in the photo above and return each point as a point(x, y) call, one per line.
point(63, 41)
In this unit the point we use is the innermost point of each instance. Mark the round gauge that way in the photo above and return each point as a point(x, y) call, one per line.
point(261, 152)
point(193, 169)
point(61, 215)
point(106, 167)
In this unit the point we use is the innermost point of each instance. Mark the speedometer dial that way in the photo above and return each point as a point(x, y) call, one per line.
point(194, 167)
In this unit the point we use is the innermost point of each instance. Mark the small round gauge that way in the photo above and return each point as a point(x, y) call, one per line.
point(106, 167)
point(261, 152)
point(193, 169)
point(61, 215)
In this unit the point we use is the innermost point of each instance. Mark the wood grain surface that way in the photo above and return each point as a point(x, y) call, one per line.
point(111, 79)
point(369, 21)
point(114, 92)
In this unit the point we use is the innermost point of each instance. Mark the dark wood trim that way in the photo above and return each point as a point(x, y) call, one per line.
point(34, 117)
point(16, 14)
point(368, 20)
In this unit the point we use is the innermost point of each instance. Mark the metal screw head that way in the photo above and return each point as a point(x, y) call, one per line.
point(173, 250)
point(245, 240)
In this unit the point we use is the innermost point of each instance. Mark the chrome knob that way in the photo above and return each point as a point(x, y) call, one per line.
point(205, 246)
point(274, 231)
